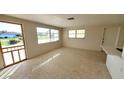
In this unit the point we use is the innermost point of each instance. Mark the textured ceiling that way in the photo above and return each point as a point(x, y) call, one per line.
point(60, 20)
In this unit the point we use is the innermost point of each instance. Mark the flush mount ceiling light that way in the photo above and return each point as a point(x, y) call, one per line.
point(70, 18)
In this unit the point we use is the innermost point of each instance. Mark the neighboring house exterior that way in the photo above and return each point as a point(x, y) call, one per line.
point(9, 35)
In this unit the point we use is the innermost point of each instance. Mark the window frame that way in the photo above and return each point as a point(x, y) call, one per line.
point(81, 33)
point(58, 37)
point(24, 44)
point(50, 39)
point(76, 34)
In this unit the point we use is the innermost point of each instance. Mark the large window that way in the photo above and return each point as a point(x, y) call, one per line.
point(72, 33)
point(54, 35)
point(10, 34)
point(77, 33)
point(80, 34)
point(43, 35)
point(47, 35)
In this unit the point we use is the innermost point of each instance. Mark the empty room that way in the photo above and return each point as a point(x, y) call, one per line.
point(62, 46)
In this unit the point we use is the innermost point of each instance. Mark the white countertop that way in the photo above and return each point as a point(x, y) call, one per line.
point(111, 51)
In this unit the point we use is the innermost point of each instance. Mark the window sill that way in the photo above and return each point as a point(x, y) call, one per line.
point(48, 42)
point(76, 38)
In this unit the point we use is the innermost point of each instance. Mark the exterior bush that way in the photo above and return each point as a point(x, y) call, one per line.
point(13, 42)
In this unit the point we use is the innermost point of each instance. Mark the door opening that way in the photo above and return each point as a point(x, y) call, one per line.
point(12, 43)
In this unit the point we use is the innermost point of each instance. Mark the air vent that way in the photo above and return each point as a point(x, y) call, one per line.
point(70, 18)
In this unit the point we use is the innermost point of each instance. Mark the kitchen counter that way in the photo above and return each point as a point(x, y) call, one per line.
point(114, 62)
point(111, 51)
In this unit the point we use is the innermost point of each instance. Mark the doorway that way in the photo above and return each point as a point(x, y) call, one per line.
point(12, 43)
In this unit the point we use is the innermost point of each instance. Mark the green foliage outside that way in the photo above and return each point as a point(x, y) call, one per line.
point(10, 41)
point(43, 37)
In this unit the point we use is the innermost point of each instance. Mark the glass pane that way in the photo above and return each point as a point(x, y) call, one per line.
point(16, 48)
point(22, 46)
point(72, 33)
point(54, 35)
point(43, 35)
point(8, 58)
point(55, 39)
point(4, 50)
point(22, 54)
point(13, 48)
point(80, 35)
point(16, 56)
point(10, 34)
point(54, 31)
point(80, 31)
point(9, 49)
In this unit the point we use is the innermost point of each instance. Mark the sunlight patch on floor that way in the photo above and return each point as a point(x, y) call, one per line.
point(47, 61)
point(6, 74)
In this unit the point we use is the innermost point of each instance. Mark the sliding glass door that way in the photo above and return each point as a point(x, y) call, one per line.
point(12, 43)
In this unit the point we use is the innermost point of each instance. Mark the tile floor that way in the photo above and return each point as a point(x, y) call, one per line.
point(62, 63)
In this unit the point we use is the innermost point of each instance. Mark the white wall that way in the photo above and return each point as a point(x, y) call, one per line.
point(114, 36)
point(110, 36)
point(30, 36)
point(94, 36)
point(121, 38)
point(92, 40)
